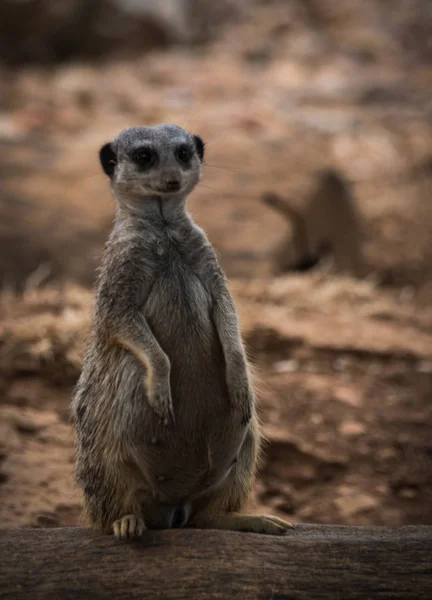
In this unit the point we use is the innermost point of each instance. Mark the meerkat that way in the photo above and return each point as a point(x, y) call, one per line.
point(328, 225)
point(164, 410)
point(334, 222)
point(293, 253)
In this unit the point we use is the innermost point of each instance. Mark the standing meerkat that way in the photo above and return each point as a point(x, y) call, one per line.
point(167, 434)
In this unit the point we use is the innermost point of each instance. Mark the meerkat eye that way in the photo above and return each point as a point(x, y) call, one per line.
point(184, 154)
point(143, 156)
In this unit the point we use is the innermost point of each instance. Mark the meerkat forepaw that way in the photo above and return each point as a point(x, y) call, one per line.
point(161, 402)
point(129, 527)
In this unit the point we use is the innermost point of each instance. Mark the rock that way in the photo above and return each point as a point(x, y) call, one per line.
point(351, 428)
point(407, 493)
point(286, 366)
point(45, 520)
point(355, 503)
point(26, 425)
point(348, 395)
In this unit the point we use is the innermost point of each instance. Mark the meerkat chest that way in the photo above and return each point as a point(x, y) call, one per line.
point(177, 290)
point(177, 259)
point(168, 244)
point(172, 249)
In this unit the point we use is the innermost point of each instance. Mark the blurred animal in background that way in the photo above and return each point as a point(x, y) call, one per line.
point(327, 226)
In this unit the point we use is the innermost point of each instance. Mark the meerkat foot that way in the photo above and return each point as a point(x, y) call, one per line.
point(253, 524)
point(129, 527)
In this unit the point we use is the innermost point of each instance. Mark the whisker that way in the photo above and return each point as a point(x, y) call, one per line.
point(215, 142)
point(101, 174)
point(208, 187)
point(126, 184)
point(228, 194)
point(206, 164)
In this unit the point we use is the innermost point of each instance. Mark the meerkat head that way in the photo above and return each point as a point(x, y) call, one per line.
point(163, 161)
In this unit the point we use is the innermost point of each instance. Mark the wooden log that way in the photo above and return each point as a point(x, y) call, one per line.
point(312, 561)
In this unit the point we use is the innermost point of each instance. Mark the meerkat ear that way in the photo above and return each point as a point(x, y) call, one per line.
point(108, 159)
point(199, 145)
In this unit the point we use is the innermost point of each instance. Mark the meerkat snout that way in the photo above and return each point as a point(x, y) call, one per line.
point(172, 182)
point(158, 161)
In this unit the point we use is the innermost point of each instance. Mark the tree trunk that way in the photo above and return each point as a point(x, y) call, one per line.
point(321, 561)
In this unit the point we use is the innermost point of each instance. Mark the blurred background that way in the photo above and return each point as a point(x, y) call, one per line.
point(316, 193)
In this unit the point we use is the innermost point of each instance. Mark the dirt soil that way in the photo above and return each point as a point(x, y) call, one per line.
point(343, 366)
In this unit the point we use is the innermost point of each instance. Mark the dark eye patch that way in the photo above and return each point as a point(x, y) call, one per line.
point(184, 154)
point(144, 156)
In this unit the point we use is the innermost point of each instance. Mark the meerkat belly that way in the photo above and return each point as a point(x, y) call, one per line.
point(197, 453)
point(184, 468)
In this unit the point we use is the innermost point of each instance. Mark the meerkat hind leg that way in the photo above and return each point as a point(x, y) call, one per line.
point(128, 527)
point(237, 522)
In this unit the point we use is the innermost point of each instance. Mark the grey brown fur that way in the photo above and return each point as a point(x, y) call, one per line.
point(164, 410)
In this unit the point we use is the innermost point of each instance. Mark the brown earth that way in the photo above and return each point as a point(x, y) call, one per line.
point(344, 367)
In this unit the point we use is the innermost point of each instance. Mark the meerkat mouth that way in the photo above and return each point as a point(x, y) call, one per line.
point(168, 191)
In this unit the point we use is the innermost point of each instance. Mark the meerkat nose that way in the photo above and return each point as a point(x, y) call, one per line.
point(172, 184)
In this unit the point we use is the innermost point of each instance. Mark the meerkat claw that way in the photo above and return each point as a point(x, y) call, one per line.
point(162, 405)
point(168, 420)
point(128, 527)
